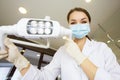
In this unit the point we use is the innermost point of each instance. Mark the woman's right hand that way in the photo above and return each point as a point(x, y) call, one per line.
point(13, 55)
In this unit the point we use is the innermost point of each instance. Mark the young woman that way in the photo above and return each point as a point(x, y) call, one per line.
point(79, 59)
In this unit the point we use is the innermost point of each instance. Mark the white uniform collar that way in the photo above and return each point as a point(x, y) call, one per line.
point(87, 47)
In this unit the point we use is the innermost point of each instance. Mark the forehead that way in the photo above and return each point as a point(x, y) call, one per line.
point(78, 15)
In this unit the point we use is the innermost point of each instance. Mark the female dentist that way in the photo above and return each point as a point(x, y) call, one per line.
point(79, 59)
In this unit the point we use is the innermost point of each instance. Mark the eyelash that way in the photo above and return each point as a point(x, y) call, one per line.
point(81, 22)
point(84, 22)
point(73, 23)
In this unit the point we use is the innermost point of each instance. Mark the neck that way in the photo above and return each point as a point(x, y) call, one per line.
point(80, 42)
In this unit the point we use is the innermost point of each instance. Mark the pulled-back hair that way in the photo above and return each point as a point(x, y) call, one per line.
point(80, 10)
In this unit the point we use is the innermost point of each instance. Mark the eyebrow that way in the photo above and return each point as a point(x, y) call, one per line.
point(83, 18)
point(73, 20)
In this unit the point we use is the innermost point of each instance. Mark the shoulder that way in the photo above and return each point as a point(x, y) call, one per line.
point(103, 48)
point(60, 51)
point(61, 48)
point(99, 44)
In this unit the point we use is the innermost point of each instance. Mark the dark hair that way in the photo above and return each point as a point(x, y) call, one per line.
point(78, 9)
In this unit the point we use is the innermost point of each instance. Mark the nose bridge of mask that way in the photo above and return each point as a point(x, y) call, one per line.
point(79, 26)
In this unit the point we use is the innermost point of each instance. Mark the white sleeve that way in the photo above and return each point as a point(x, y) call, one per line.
point(49, 72)
point(111, 69)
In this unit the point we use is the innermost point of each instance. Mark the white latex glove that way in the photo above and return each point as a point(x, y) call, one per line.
point(13, 55)
point(3, 54)
point(74, 51)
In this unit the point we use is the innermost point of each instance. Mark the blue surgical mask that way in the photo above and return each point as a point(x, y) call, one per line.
point(80, 30)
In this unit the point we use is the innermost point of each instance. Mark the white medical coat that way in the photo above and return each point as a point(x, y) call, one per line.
point(97, 52)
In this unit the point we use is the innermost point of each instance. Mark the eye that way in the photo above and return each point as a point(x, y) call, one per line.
point(84, 22)
point(73, 23)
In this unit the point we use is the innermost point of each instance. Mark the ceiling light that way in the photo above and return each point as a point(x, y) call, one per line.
point(118, 41)
point(108, 41)
point(88, 1)
point(22, 10)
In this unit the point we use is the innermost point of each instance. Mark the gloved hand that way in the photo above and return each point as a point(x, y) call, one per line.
point(74, 51)
point(13, 55)
point(3, 54)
